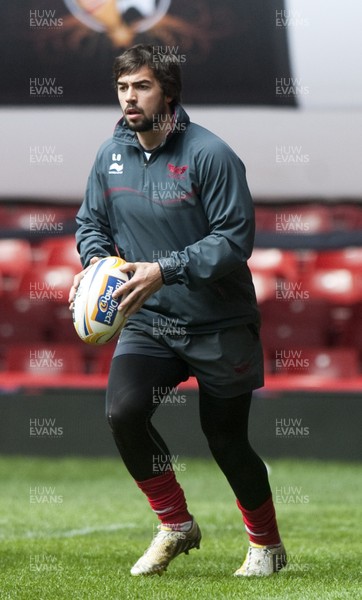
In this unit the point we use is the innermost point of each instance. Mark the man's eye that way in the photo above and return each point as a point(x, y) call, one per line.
point(122, 88)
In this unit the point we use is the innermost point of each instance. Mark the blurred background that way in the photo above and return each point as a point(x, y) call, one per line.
point(280, 82)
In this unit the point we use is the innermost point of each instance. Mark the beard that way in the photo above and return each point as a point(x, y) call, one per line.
point(145, 124)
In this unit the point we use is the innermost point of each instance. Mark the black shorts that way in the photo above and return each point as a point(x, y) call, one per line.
point(226, 363)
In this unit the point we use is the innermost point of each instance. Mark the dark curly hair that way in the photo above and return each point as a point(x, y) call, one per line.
point(165, 67)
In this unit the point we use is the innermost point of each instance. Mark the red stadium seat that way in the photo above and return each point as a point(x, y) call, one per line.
point(267, 267)
point(304, 219)
point(295, 219)
point(15, 216)
point(19, 326)
point(333, 363)
point(346, 258)
point(280, 263)
point(294, 324)
point(352, 332)
point(307, 260)
point(60, 251)
point(101, 358)
point(38, 219)
point(62, 328)
point(265, 285)
point(47, 283)
point(335, 285)
point(40, 293)
point(15, 260)
point(44, 359)
point(265, 218)
point(347, 217)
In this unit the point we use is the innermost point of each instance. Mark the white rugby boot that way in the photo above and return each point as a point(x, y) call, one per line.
point(165, 546)
point(262, 561)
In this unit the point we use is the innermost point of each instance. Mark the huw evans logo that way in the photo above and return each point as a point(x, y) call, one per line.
point(290, 18)
point(168, 395)
point(162, 123)
point(164, 54)
point(40, 87)
point(40, 563)
point(42, 428)
point(291, 360)
point(171, 327)
point(42, 494)
point(290, 154)
point(44, 155)
point(291, 222)
point(291, 428)
point(44, 19)
point(169, 190)
point(290, 495)
point(44, 222)
point(290, 86)
point(44, 359)
point(290, 290)
point(164, 464)
point(106, 309)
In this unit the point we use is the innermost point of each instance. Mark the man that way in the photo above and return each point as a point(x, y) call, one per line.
point(172, 199)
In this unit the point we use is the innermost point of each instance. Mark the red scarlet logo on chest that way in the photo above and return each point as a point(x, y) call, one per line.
point(176, 172)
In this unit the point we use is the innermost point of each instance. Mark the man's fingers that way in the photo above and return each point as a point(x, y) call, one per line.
point(145, 281)
point(127, 267)
point(123, 290)
point(132, 303)
point(77, 279)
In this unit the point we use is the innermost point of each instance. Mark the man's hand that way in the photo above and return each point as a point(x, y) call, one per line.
point(76, 281)
point(146, 281)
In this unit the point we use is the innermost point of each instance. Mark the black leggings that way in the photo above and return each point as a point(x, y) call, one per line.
point(136, 386)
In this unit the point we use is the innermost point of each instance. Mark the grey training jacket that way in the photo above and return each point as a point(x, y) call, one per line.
point(190, 209)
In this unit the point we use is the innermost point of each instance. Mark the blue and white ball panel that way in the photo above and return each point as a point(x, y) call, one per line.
point(95, 313)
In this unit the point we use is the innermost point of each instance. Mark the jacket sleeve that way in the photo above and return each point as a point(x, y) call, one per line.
point(94, 237)
point(228, 206)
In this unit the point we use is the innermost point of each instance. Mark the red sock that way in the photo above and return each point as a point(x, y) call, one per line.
point(166, 498)
point(261, 524)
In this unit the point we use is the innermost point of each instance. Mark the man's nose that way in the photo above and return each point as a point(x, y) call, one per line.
point(131, 95)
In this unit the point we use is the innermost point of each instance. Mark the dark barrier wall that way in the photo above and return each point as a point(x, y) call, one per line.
point(321, 426)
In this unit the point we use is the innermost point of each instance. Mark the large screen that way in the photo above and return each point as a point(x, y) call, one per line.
point(60, 52)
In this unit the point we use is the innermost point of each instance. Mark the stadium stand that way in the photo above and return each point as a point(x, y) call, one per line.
point(345, 258)
point(39, 359)
point(308, 284)
point(333, 363)
point(15, 260)
point(336, 285)
point(59, 251)
point(294, 323)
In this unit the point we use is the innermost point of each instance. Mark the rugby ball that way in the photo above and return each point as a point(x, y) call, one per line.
point(95, 313)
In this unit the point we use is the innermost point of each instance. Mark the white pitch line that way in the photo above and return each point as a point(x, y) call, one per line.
point(69, 533)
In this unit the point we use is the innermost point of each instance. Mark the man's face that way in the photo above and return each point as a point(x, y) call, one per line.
point(142, 99)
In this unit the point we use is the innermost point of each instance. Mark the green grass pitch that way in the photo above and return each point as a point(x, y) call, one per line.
point(72, 528)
